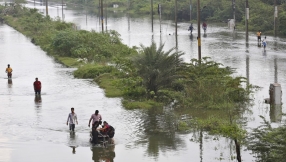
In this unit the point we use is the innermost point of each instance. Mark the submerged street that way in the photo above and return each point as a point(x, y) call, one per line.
point(34, 129)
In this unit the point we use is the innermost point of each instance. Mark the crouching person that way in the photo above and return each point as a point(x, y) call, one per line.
point(94, 133)
point(108, 130)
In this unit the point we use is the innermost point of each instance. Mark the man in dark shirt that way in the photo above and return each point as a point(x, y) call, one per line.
point(37, 87)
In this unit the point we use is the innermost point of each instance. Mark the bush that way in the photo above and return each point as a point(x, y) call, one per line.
point(92, 71)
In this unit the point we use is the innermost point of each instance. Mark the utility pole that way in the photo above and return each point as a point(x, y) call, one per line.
point(160, 11)
point(105, 16)
point(47, 12)
point(101, 14)
point(275, 18)
point(62, 10)
point(190, 10)
point(233, 9)
point(199, 30)
point(152, 14)
point(176, 22)
point(246, 19)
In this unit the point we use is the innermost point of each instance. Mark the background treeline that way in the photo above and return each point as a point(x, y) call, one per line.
point(261, 11)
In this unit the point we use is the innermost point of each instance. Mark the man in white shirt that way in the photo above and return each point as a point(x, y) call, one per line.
point(95, 117)
point(72, 119)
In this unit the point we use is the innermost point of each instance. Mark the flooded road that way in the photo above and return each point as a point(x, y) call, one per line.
point(34, 129)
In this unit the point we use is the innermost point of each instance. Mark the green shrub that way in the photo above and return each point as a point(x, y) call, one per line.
point(92, 71)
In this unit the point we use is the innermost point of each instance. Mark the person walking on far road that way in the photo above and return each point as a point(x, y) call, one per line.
point(259, 36)
point(37, 87)
point(95, 117)
point(72, 119)
point(191, 28)
point(264, 43)
point(9, 71)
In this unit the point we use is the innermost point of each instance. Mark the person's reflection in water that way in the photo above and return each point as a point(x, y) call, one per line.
point(10, 83)
point(38, 99)
point(191, 37)
point(264, 53)
point(103, 154)
point(73, 149)
point(259, 44)
point(205, 35)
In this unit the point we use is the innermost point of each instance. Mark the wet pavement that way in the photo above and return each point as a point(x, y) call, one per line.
point(34, 129)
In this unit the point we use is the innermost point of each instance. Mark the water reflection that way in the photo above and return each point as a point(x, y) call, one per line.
point(10, 83)
point(191, 37)
point(73, 149)
point(160, 128)
point(276, 113)
point(259, 44)
point(205, 35)
point(100, 154)
point(38, 99)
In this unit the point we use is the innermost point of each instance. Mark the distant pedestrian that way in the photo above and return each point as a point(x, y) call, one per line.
point(259, 36)
point(37, 87)
point(9, 71)
point(191, 28)
point(72, 119)
point(204, 26)
point(264, 43)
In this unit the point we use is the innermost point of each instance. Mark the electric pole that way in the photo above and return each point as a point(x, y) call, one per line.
point(176, 22)
point(233, 7)
point(246, 18)
point(101, 14)
point(47, 12)
point(62, 10)
point(199, 30)
point(275, 18)
point(190, 10)
point(152, 14)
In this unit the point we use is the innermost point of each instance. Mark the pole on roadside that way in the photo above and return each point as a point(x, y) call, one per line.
point(105, 16)
point(190, 10)
point(101, 14)
point(199, 30)
point(47, 12)
point(275, 17)
point(160, 11)
point(176, 23)
point(152, 14)
point(233, 7)
point(246, 19)
point(62, 10)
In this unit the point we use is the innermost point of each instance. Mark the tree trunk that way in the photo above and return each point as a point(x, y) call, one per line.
point(237, 148)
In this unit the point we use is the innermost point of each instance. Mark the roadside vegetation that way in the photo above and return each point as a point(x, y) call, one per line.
point(146, 76)
point(268, 143)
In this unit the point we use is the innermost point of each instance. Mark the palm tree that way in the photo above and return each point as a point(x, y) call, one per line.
point(157, 68)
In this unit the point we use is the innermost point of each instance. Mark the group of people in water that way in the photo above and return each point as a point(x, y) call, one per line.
point(259, 33)
point(204, 26)
point(264, 43)
point(96, 118)
point(37, 84)
point(104, 130)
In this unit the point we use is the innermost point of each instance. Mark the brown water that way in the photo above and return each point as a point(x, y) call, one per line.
point(34, 130)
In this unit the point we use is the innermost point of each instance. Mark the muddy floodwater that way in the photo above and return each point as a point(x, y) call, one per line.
point(34, 129)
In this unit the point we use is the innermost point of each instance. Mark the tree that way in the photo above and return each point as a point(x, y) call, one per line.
point(157, 68)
